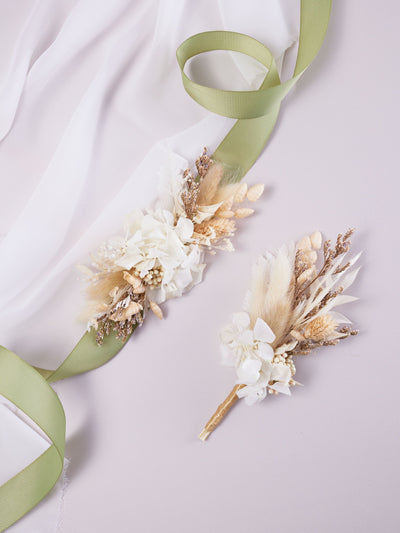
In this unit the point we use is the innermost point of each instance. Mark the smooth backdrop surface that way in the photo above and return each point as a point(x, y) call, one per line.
point(91, 105)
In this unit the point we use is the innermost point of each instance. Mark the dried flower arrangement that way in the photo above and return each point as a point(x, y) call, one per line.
point(288, 311)
point(161, 255)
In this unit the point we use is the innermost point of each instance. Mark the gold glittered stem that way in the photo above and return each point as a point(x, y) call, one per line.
point(219, 414)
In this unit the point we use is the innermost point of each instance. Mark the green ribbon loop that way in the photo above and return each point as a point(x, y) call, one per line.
point(233, 104)
point(257, 110)
point(28, 387)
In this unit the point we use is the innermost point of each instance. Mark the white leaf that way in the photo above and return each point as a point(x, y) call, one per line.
point(343, 299)
point(354, 259)
point(349, 279)
point(326, 283)
point(281, 387)
point(339, 318)
point(339, 300)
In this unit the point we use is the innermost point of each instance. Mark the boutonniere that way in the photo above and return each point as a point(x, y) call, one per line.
point(289, 310)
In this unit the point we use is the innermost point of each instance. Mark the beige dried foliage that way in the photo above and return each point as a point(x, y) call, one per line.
point(316, 240)
point(297, 335)
point(209, 184)
point(309, 257)
point(226, 193)
point(307, 275)
point(240, 193)
point(280, 318)
point(226, 205)
point(254, 193)
point(321, 328)
point(243, 212)
point(216, 228)
point(135, 281)
point(100, 308)
point(156, 309)
point(101, 289)
point(271, 293)
point(225, 214)
point(123, 314)
point(304, 244)
point(113, 293)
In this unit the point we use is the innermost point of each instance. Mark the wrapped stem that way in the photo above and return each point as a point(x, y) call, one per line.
point(219, 414)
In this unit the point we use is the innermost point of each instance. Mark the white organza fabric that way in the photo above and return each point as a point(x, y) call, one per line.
point(91, 108)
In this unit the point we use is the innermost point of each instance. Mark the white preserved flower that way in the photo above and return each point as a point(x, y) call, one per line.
point(154, 240)
point(249, 350)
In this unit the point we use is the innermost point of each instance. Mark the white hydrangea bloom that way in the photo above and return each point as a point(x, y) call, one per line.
point(249, 350)
point(152, 240)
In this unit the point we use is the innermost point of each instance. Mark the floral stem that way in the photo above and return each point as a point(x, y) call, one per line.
point(219, 414)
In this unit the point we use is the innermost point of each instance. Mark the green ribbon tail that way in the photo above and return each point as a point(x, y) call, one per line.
point(28, 389)
point(87, 355)
point(25, 388)
point(256, 111)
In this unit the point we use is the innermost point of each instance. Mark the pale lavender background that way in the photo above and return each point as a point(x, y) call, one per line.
point(325, 459)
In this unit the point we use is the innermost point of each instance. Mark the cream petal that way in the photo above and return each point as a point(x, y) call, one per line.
point(157, 295)
point(133, 220)
point(184, 228)
point(262, 332)
point(286, 347)
point(246, 337)
point(168, 217)
point(255, 397)
point(281, 387)
point(280, 372)
point(183, 278)
point(241, 320)
point(252, 394)
point(227, 334)
point(265, 351)
point(248, 371)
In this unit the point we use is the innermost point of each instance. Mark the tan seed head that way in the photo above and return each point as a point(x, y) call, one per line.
point(316, 240)
point(156, 310)
point(240, 193)
point(255, 192)
point(243, 212)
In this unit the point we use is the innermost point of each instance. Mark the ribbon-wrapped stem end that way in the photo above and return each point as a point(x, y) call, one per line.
point(219, 414)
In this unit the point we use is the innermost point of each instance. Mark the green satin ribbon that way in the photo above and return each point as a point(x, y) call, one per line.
point(28, 387)
point(257, 110)
point(29, 391)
